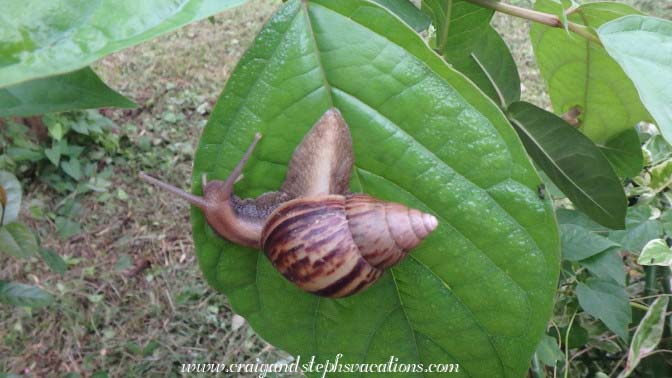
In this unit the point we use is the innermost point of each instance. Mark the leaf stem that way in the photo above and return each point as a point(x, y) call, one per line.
point(540, 17)
point(569, 328)
point(639, 306)
point(537, 371)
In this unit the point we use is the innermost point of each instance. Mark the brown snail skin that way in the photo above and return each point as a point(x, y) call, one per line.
point(321, 237)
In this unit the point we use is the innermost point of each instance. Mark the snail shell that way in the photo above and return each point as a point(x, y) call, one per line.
point(320, 236)
point(336, 245)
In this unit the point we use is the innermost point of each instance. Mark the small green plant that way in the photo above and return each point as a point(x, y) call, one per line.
point(19, 241)
point(69, 156)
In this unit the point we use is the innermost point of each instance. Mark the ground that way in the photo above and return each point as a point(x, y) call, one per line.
point(134, 302)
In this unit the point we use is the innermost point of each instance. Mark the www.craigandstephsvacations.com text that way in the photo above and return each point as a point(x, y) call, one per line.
point(324, 368)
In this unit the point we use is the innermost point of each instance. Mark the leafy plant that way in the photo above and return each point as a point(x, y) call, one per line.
point(18, 241)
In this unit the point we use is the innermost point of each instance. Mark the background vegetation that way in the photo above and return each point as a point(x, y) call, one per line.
point(130, 300)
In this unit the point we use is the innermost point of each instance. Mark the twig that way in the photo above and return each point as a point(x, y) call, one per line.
point(540, 17)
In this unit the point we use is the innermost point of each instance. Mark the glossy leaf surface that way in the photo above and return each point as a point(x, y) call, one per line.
point(81, 89)
point(580, 73)
point(643, 48)
point(572, 162)
point(479, 290)
point(44, 38)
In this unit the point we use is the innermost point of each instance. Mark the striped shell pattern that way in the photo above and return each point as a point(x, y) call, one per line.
point(338, 245)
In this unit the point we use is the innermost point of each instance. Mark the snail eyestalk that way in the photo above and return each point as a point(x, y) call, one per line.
point(191, 198)
point(233, 177)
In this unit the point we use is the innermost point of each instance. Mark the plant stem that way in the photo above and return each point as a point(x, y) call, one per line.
point(537, 370)
point(650, 274)
point(540, 17)
point(569, 328)
point(639, 306)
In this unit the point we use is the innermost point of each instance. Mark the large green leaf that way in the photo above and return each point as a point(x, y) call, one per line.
point(44, 38)
point(581, 73)
point(479, 290)
point(81, 89)
point(466, 40)
point(643, 47)
point(19, 294)
point(572, 162)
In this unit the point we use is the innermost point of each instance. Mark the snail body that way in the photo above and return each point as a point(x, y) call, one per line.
point(321, 237)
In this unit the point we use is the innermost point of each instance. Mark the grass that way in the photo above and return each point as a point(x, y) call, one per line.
point(133, 302)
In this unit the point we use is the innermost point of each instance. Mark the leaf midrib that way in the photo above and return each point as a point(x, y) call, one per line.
point(552, 161)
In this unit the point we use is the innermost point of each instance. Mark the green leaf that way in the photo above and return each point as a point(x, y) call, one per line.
point(655, 252)
point(408, 12)
point(642, 46)
point(608, 302)
point(607, 265)
point(17, 240)
point(23, 154)
point(572, 162)
point(657, 150)
point(647, 336)
point(73, 168)
point(473, 47)
point(123, 262)
point(624, 152)
point(424, 136)
point(10, 195)
point(67, 228)
point(53, 261)
point(579, 243)
point(567, 216)
point(661, 176)
point(81, 89)
point(548, 351)
point(580, 73)
point(491, 67)
point(18, 294)
point(53, 154)
point(60, 36)
point(459, 25)
point(639, 229)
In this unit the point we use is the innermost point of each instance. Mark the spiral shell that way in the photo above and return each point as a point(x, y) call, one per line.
point(335, 245)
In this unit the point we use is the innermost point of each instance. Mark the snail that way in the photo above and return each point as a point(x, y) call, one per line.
point(321, 237)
